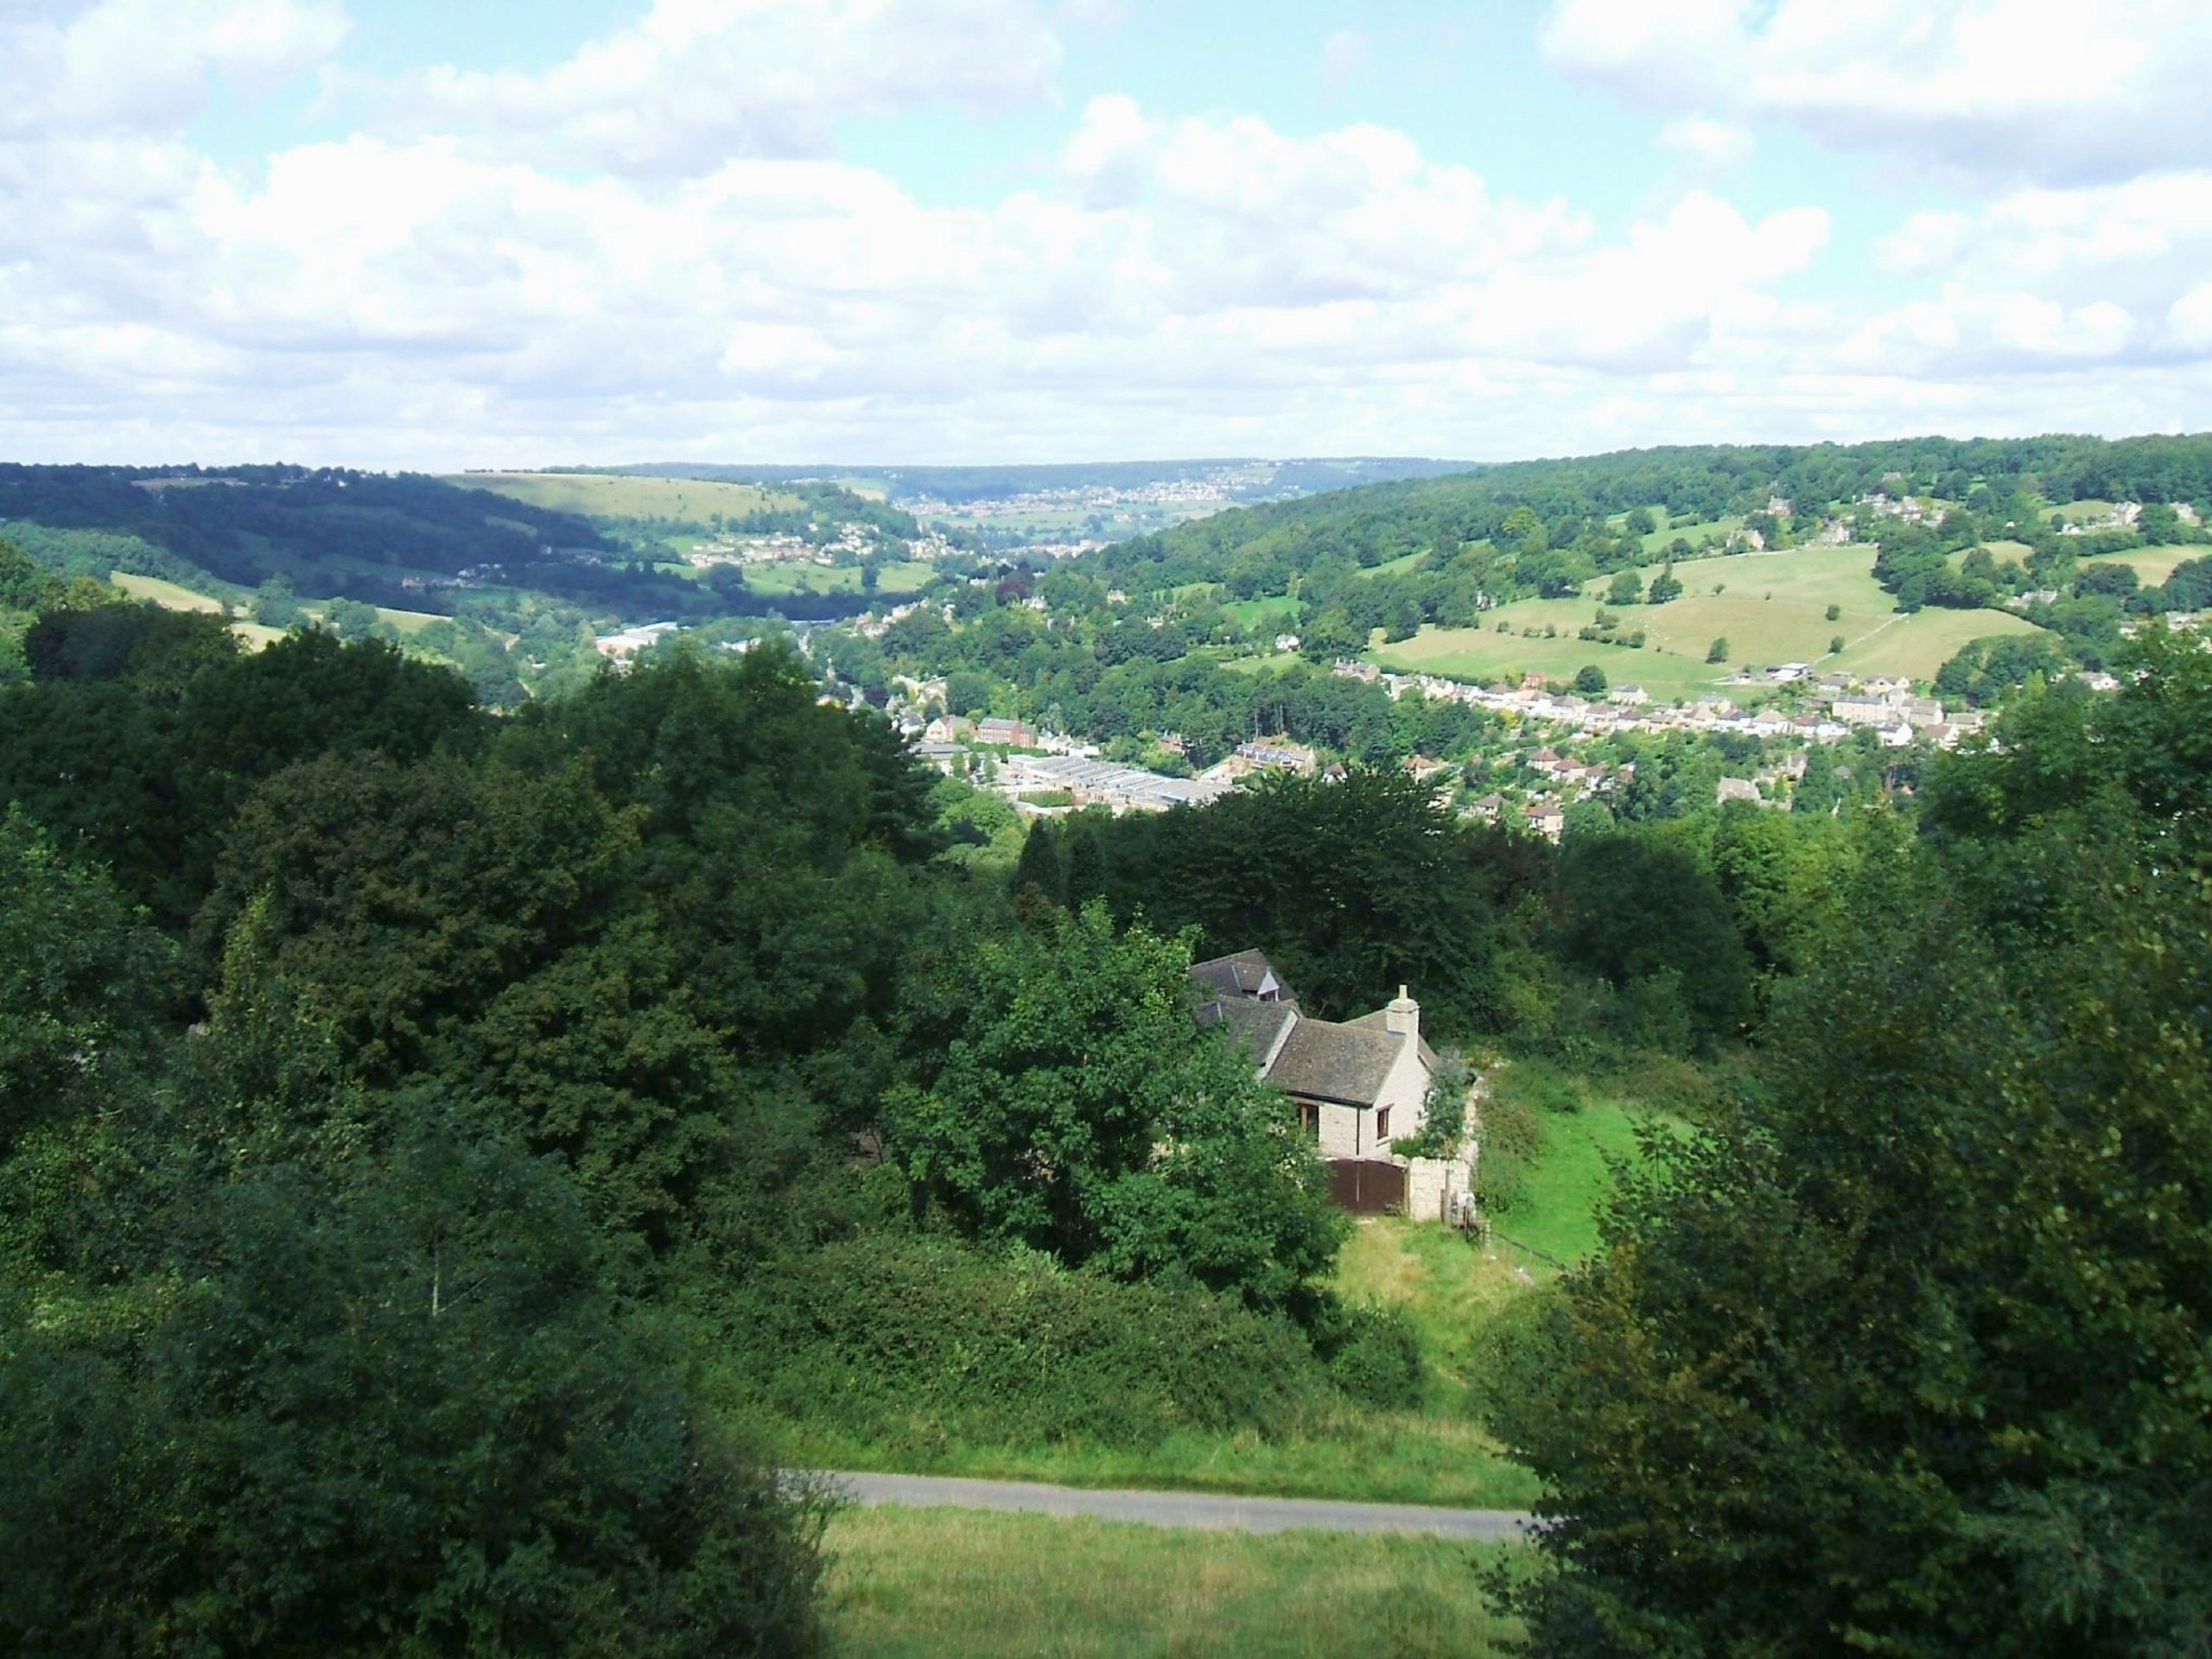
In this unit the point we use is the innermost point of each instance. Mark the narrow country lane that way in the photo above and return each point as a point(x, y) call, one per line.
point(1207, 1509)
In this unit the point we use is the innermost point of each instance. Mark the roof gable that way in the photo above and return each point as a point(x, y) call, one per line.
point(1244, 973)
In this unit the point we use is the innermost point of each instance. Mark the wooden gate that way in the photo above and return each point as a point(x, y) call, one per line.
point(1367, 1186)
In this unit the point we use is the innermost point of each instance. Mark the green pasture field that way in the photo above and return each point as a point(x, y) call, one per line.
point(1276, 612)
point(2155, 564)
point(2075, 512)
point(255, 636)
point(1477, 655)
point(1712, 533)
point(962, 1583)
point(407, 622)
point(167, 595)
point(170, 596)
point(1398, 566)
point(1919, 644)
point(784, 575)
point(1773, 609)
point(605, 495)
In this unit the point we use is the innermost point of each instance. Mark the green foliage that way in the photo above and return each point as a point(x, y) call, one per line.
point(275, 605)
point(1372, 1354)
point(23, 585)
point(1353, 887)
point(1905, 1353)
point(1590, 681)
point(1444, 1110)
point(1642, 914)
point(84, 984)
point(1985, 670)
point(1039, 872)
point(921, 1343)
point(1717, 651)
point(1074, 1106)
point(402, 1414)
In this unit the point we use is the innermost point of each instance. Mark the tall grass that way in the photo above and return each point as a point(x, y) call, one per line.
point(922, 1584)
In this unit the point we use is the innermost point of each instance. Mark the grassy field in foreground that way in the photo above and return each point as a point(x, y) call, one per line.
point(957, 1583)
point(1771, 609)
point(598, 495)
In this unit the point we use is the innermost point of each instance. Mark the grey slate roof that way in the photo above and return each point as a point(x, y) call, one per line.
point(1256, 1027)
point(1379, 1020)
point(1240, 974)
point(1344, 1063)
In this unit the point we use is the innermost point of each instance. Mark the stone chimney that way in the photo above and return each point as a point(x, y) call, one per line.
point(1404, 1016)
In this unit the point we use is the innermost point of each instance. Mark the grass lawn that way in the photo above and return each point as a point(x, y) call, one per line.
point(1451, 1286)
point(960, 1584)
point(1772, 608)
point(1557, 1210)
point(598, 495)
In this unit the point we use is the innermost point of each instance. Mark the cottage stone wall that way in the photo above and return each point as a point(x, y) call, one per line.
point(1430, 1182)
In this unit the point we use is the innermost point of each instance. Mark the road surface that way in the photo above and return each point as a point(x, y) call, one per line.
point(1180, 1508)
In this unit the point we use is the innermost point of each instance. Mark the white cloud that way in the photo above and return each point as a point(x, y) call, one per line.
point(2102, 274)
point(1715, 143)
point(470, 295)
point(698, 82)
point(2047, 90)
point(143, 66)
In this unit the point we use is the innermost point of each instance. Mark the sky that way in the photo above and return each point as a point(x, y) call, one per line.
point(443, 233)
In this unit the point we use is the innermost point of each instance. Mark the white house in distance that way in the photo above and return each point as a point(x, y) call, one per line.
point(1360, 1086)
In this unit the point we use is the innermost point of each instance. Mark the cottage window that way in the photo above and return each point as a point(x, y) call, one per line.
point(1309, 1118)
point(1382, 1126)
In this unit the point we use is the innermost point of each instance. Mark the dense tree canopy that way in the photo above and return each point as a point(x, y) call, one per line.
point(1907, 1354)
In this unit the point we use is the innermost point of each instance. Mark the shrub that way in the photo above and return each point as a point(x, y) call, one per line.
point(1373, 1353)
point(1718, 650)
point(921, 1341)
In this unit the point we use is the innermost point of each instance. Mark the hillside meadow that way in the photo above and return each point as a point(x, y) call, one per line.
point(2154, 564)
point(1770, 608)
point(608, 495)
